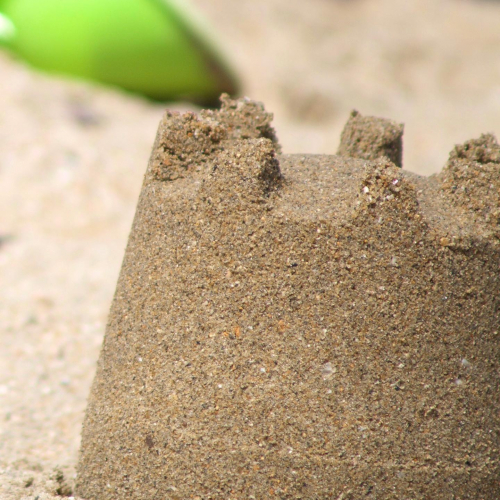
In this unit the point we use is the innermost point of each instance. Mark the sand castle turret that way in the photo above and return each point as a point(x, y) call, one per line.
point(295, 326)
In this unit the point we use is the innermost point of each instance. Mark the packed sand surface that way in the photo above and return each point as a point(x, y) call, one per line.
point(300, 326)
point(73, 156)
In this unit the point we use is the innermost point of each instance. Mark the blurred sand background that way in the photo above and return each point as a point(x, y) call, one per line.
point(73, 155)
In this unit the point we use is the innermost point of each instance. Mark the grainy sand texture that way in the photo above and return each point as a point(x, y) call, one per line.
point(290, 326)
point(73, 157)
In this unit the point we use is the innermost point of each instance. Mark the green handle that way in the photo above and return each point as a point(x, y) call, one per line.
point(147, 46)
point(7, 30)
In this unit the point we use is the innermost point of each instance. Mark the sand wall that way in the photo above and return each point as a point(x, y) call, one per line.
point(291, 326)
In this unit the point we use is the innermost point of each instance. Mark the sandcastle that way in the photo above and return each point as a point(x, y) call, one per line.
point(297, 326)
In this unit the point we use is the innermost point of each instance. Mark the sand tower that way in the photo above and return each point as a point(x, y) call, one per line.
point(301, 327)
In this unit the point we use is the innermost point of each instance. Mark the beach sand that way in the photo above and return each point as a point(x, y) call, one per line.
point(300, 326)
point(74, 155)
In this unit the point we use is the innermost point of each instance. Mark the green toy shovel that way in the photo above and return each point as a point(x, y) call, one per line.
point(154, 47)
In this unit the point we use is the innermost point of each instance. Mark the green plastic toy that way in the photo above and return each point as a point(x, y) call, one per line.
point(154, 47)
